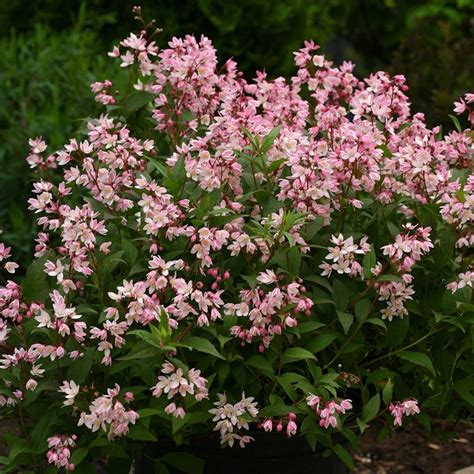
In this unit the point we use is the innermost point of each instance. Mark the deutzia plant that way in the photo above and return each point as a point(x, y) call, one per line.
point(218, 255)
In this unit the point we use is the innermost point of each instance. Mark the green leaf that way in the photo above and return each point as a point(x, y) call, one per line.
point(141, 354)
point(377, 322)
point(147, 412)
point(269, 139)
point(35, 284)
point(340, 294)
point(371, 408)
point(140, 433)
point(19, 446)
point(464, 388)
point(309, 326)
point(203, 345)
point(81, 367)
point(362, 309)
point(178, 422)
point(251, 280)
point(289, 259)
point(368, 262)
point(161, 167)
point(362, 425)
point(130, 251)
point(296, 353)
point(418, 358)
point(319, 280)
point(387, 392)
point(278, 409)
point(41, 430)
point(137, 100)
point(287, 386)
point(259, 362)
point(346, 320)
point(393, 229)
point(78, 455)
point(223, 373)
point(390, 278)
point(322, 341)
point(148, 337)
point(456, 122)
point(274, 165)
point(160, 468)
point(344, 456)
point(185, 462)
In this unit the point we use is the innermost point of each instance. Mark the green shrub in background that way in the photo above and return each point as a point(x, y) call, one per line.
point(51, 54)
point(439, 65)
point(44, 87)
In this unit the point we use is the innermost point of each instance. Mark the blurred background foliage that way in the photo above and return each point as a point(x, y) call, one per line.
point(53, 49)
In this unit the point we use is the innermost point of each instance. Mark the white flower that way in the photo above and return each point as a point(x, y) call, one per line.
point(71, 389)
point(268, 277)
point(11, 267)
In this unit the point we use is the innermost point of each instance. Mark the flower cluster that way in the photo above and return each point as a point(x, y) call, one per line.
point(60, 451)
point(108, 413)
point(463, 106)
point(238, 236)
point(400, 409)
point(177, 387)
point(71, 390)
point(5, 254)
point(343, 256)
point(290, 420)
point(230, 418)
point(268, 313)
point(328, 410)
point(12, 308)
point(409, 247)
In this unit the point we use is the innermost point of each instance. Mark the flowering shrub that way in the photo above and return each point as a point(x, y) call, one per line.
point(217, 255)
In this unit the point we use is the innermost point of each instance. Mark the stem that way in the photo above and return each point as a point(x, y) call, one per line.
point(351, 337)
point(392, 353)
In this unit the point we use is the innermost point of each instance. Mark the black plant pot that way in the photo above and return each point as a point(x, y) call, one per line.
point(271, 453)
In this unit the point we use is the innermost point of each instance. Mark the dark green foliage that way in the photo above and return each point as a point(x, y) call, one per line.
point(44, 87)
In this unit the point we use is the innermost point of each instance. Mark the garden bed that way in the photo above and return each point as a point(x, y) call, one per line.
point(410, 450)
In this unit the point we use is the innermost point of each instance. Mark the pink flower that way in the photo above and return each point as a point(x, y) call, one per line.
point(268, 424)
point(400, 409)
point(60, 451)
point(268, 277)
point(291, 428)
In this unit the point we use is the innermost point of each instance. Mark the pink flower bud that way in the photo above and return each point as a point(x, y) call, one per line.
point(268, 424)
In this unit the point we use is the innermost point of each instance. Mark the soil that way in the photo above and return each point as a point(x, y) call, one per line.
point(410, 451)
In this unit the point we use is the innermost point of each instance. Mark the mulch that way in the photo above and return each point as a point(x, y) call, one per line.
point(411, 450)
